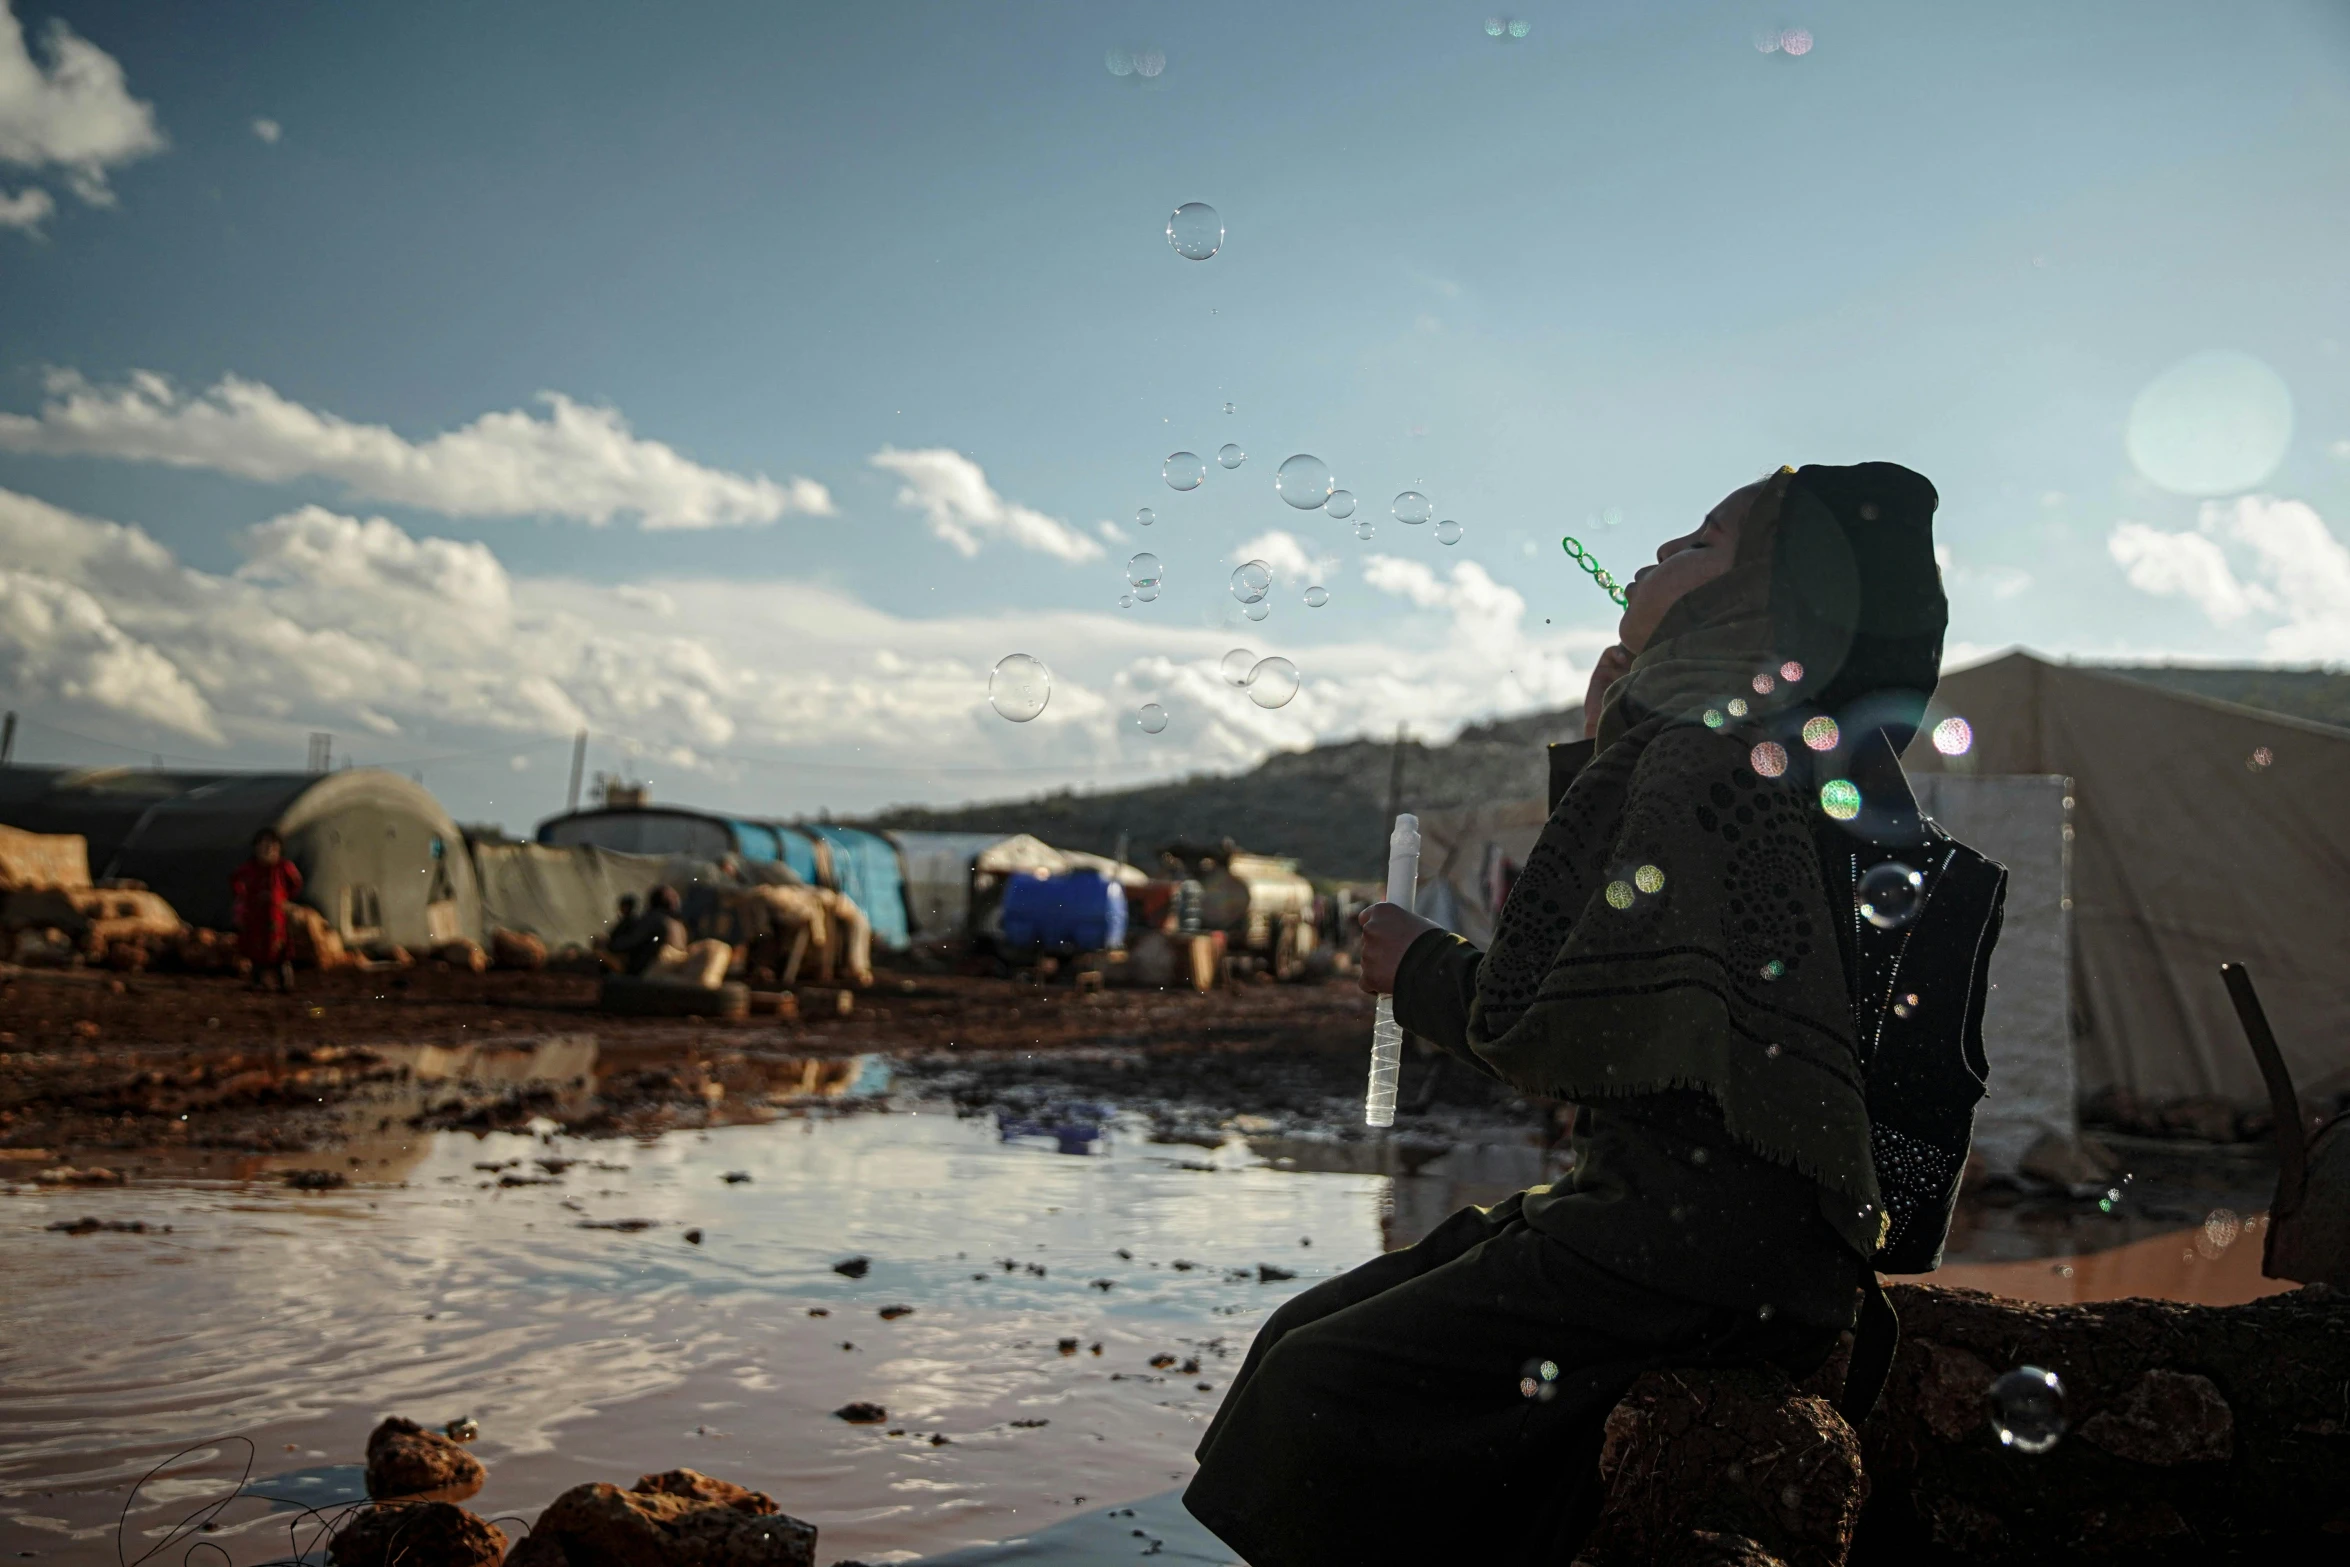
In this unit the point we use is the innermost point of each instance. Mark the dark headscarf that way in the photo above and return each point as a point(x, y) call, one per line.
point(1673, 927)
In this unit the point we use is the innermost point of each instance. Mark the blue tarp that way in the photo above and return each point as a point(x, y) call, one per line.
point(865, 866)
point(1079, 911)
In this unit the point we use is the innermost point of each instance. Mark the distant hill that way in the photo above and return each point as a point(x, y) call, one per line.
point(1328, 806)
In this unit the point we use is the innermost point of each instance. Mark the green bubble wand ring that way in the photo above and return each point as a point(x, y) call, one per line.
point(1583, 558)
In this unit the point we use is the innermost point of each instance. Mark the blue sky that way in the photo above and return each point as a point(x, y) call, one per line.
point(861, 325)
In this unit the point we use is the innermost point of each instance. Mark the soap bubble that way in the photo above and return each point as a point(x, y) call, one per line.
point(2214, 423)
point(1840, 798)
point(1149, 62)
point(1889, 894)
point(1712, 718)
point(1235, 666)
point(1119, 62)
point(1144, 570)
point(1144, 516)
point(1251, 580)
point(1257, 611)
point(1763, 684)
point(1230, 454)
point(1184, 471)
point(1412, 507)
point(1148, 592)
point(2027, 1409)
point(1954, 737)
point(1737, 706)
point(1228, 408)
point(1341, 504)
point(1020, 687)
point(1365, 529)
point(1769, 758)
point(1151, 718)
point(1795, 41)
point(2260, 759)
point(1495, 27)
point(1194, 229)
point(1317, 596)
point(1821, 733)
point(1775, 969)
point(1529, 1387)
point(1125, 601)
point(1791, 671)
point(1304, 481)
point(1649, 879)
point(1619, 895)
point(1448, 532)
point(1767, 42)
point(1272, 682)
point(2221, 1226)
point(1520, 29)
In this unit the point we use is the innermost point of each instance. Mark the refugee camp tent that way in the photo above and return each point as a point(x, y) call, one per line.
point(865, 866)
point(566, 896)
point(378, 855)
point(951, 878)
point(1469, 858)
point(2202, 832)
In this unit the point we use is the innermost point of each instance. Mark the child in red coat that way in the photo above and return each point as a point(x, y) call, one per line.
point(260, 890)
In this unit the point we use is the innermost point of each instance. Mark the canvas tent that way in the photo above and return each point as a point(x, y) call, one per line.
point(2202, 832)
point(567, 897)
point(950, 876)
point(378, 855)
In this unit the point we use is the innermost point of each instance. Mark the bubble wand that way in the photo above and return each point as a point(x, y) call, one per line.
point(1583, 558)
point(1403, 885)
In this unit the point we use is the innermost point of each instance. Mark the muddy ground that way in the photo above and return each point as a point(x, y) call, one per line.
point(109, 1070)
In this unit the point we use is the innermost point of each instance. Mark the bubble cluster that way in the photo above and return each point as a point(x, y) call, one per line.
point(1448, 532)
point(2027, 1409)
point(1889, 894)
point(1251, 581)
point(1340, 505)
point(1235, 665)
point(1272, 682)
point(1184, 471)
point(1317, 596)
point(1230, 455)
point(1954, 737)
point(1412, 507)
point(1840, 798)
point(1821, 733)
point(1304, 481)
point(1538, 1379)
point(1150, 718)
point(1019, 687)
point(1768, 758)
point(1144, 516)
point(1195, 230)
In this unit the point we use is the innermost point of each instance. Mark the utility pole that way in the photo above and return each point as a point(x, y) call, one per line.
point(7, 739)
point(1395, 777)
point(322, 746)
point(578, 761)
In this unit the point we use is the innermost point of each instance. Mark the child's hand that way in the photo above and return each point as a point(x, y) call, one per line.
point(1389, 929)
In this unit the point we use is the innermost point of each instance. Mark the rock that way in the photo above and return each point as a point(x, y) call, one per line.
point(696, 1486)
point(861, 1413)
point(537, 1550)
point(603, 1526)
point(401, 1533)
point(316, 1180)
point(462, 954)
point(2167, 1417)
point(1726, 1467)
point(517, 950)
point(853, 1267)
point(892, 1313)
point(1268, 1273)
point(404, 1459)
point(693, 1237)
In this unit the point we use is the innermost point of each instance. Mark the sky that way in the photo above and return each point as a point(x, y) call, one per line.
point(739, 383)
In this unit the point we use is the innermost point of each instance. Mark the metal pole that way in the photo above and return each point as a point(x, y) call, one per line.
point(578, 761)
point(7, 739)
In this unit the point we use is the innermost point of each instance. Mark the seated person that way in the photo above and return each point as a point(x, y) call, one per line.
point(662, 949)
point(1674, 959)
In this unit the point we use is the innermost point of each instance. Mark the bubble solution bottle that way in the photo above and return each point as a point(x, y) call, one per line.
point(1403, 885)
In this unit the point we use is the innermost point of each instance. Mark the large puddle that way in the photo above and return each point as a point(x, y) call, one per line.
point(296, 1320)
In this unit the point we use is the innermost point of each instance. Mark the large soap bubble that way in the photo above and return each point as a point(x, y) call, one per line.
point(1304, 481)
point(2215, 423)
point(1020, 687)
point(1272, 682)
point(1235, 666)
point(1194, 229)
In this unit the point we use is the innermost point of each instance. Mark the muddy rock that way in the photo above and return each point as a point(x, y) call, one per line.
point(2167, 1417)
point(695, 1486)
point(404, 1459)
point(441, 1533)
point(603, 1526)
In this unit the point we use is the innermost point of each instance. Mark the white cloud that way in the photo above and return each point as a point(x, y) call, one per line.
point(2298, 576)
point(268, 130)
point(1288, 556)
point(58, 642)
point(964, 510)
point(28, 209)
point(579, 461)
point(75, 114)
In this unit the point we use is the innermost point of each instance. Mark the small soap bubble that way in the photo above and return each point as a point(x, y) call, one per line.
point(1341, 504)
point(1235, 665)
point(1125, 601)
point(1791, 671)
point(1119, 62)
point(1548, 1371)
point(1767, 42)
point(1794, 41)
point(1889, 894)
point(1149, 62)
point(1519, 29)
point(1448, 532)
point(1019, 687)
point(1765, 1311)
point(2027, 1409)
point(1148, 592)
point(2221, 1226)
point(1821, 733)
point(1184, 471)
point(1304, 481)
point(1771, 1050)
point(1712, 717)
point(1774, 969)
point(1317, 596)
point(1954, 737)
point(1412, 507)
point(1768, 758)
point(1257, 611)
point(2260, 759)
point(1529, 1387)
point(1194, 228)
point(1228, 408)
point(1144, 570)
point(1840, 798)
point(1736, 706)
point(1272, 682)
point(1764, 684)
point(1144, 516)
point(1649, 879)
point(1251, 580)
point(1230, 455)
point(1366, 528)
point(1151, 718)
point(1495, 27)
point(1620, 895)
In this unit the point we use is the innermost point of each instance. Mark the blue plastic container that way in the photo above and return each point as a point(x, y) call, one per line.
point(1081, 911)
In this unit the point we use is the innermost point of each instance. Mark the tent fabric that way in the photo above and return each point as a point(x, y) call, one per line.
point(2203, 832)
point(865, 866)
point(651, 829)
point(938, 878)
point(567, 896)
point(1468, 859)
